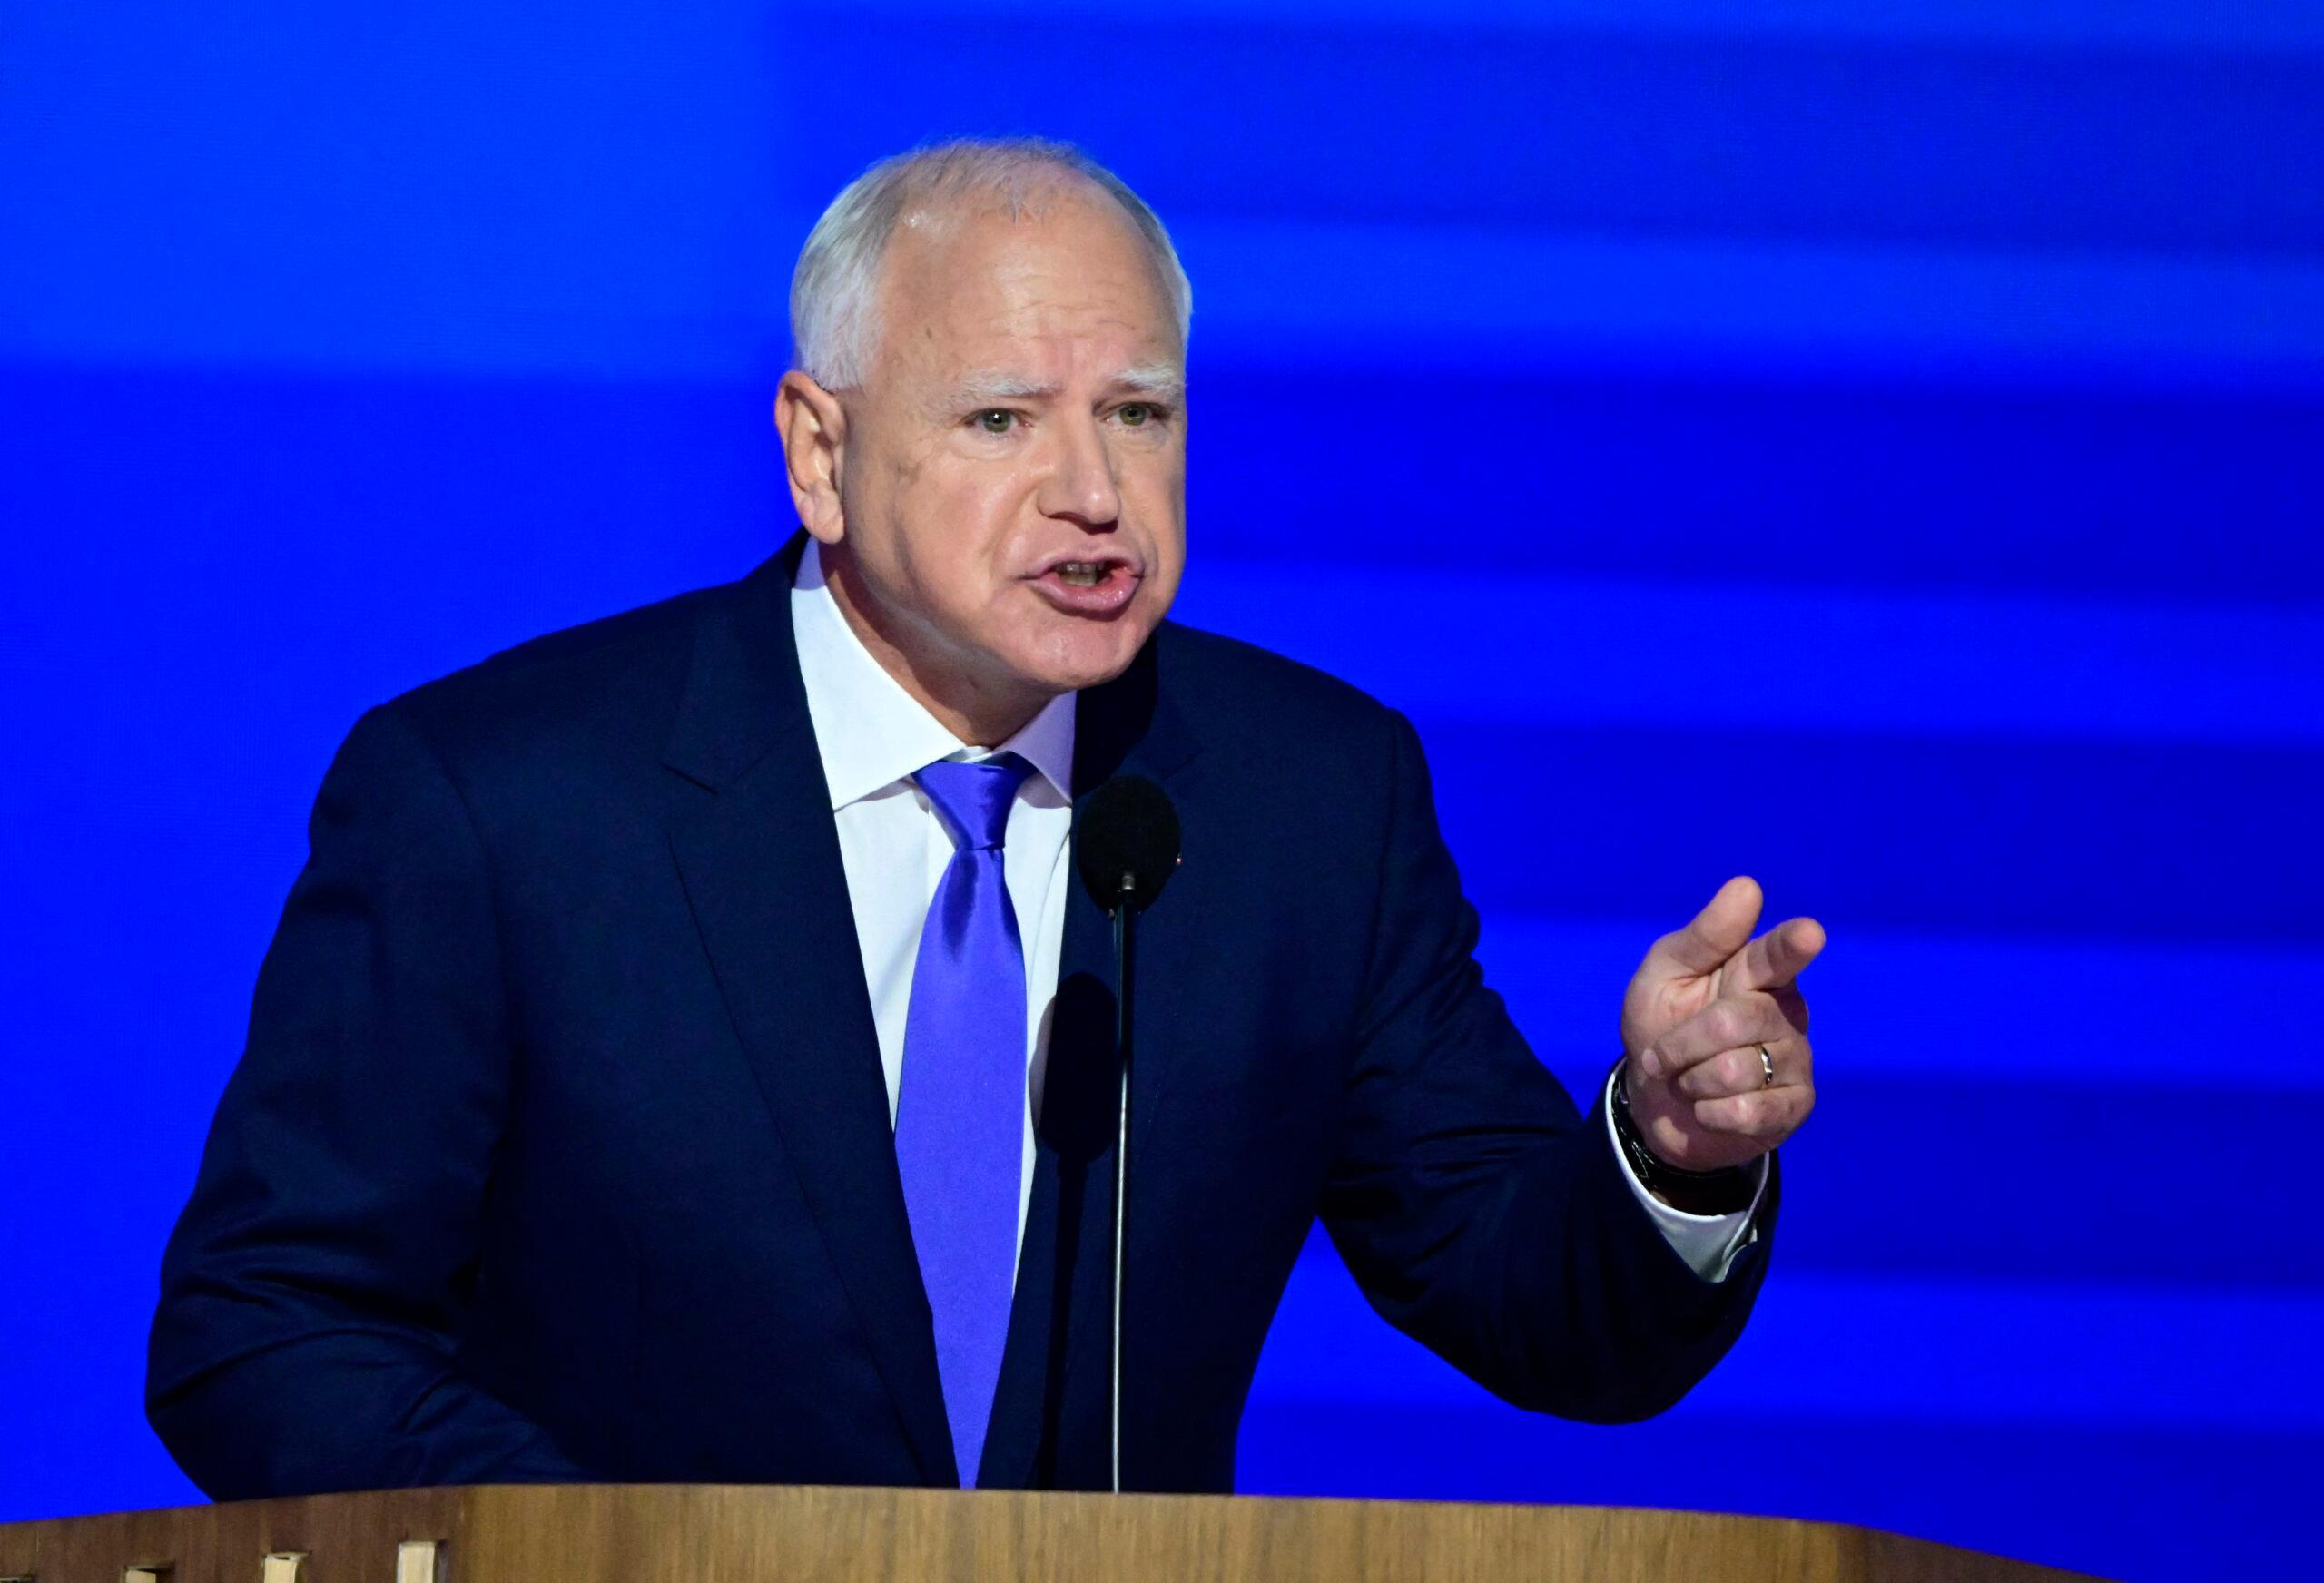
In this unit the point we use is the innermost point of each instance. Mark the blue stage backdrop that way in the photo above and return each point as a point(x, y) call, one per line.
point(1875, 446)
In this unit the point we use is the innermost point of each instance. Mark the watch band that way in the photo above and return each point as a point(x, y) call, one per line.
point(1725, 1191)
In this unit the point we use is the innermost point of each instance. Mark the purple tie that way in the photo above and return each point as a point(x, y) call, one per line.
point(960, 1108)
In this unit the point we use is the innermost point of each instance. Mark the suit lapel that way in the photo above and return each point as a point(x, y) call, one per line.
point(1064, 1274)
point(760, 864)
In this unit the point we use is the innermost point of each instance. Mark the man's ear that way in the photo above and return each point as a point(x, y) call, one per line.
point(812, 428)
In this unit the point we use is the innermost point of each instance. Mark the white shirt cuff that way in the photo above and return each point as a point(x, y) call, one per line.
point(1707, 1243)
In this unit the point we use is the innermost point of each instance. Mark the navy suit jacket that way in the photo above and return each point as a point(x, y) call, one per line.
point(560, 1149)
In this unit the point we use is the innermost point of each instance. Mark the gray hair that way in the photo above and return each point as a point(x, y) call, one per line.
point(834, 290)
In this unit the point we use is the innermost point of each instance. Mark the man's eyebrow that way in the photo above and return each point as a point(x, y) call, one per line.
point(1159, 380)
point(995, 385)
point(1163, 382)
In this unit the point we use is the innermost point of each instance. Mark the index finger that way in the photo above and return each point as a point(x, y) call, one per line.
point(1777, 958)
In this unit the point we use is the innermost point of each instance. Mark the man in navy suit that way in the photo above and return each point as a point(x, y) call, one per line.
point(684, 1056)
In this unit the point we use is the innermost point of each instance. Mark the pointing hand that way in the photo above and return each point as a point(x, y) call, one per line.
point(1705, 999)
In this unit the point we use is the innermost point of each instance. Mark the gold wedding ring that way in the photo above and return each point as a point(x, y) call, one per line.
point(1767, 1068)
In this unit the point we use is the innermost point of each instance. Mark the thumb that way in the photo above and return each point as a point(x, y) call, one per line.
point(1713, 935)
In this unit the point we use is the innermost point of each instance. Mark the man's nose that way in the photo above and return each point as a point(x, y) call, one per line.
point(1080, 485)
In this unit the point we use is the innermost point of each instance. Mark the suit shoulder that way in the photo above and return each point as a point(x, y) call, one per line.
point(1224, 679)
point(611, 677)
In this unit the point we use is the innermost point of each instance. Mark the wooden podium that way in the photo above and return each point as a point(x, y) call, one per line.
point(709, 1533)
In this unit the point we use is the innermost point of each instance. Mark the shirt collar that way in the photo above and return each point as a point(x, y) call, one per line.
point(870, 732)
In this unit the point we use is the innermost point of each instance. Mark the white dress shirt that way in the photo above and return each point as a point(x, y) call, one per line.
point(873, 737)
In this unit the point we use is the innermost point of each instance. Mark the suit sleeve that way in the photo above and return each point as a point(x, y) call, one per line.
point(1480, 1211)
point(313, 1290)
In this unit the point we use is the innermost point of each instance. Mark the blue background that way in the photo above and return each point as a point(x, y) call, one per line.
point(1874, 448)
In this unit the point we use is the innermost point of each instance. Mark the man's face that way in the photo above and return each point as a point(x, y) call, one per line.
point(1011, 483)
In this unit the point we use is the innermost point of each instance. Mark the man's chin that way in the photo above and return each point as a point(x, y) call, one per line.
point(1088, 658)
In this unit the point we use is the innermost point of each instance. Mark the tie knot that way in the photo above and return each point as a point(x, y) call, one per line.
point(974, 799)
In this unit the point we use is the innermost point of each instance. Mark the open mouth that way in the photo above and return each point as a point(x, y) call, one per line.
point(1090, 587)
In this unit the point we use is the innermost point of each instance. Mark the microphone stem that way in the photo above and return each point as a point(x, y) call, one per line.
point(1123, 928)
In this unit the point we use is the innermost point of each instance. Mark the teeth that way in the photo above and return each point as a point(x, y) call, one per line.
point(1082, 574)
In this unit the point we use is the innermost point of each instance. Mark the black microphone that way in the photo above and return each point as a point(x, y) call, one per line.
point(1125, 847)
point(1125, 843)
